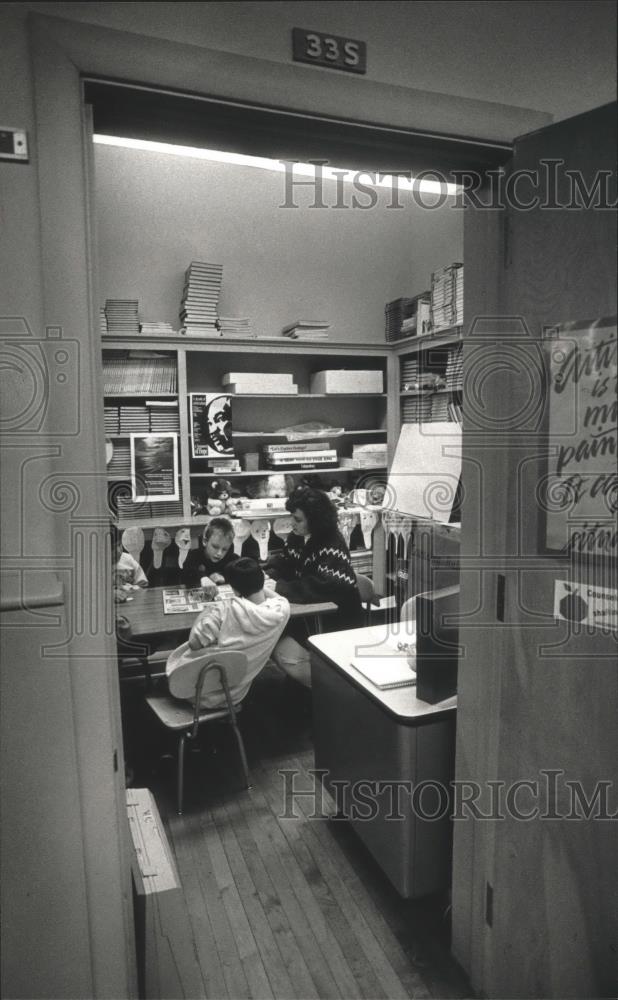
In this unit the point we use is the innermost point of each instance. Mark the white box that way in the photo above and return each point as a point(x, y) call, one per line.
point(347, 380)
point(273, 378)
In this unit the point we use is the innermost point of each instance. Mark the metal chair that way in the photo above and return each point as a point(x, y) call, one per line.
point(210, 673)
point(368, 595)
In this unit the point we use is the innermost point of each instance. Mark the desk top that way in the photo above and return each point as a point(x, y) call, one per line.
point(144, 612)
point(339, 648)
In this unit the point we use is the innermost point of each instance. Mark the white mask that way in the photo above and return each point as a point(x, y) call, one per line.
point(242, 530)
point(260, 530)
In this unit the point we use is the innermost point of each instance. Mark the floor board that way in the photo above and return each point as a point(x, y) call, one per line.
point(280, 905)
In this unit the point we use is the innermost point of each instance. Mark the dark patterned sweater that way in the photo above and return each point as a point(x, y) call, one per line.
point(320, 570)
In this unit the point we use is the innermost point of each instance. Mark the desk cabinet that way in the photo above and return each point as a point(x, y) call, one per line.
point(385, 738)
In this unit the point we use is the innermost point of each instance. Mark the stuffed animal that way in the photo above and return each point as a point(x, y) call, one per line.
point(219, 493)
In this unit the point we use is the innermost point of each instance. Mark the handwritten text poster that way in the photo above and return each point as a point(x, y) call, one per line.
point(582, 486)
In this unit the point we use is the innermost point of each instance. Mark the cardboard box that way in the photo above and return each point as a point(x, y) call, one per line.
point(346, 380)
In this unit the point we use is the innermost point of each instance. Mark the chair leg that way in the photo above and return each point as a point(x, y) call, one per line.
point(241, 750)
point(181, 772)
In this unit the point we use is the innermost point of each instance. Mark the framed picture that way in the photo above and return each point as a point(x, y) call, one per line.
point(154, 467)
point(211, 425)
point(580, 490)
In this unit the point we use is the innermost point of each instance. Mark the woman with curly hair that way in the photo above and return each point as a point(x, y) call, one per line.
point(314, 566)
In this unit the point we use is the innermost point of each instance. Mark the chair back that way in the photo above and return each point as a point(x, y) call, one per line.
point(408, 610)
point(366, 591)
point(185, 666)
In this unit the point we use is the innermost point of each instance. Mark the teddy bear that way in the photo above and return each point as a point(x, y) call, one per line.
point(219, 493)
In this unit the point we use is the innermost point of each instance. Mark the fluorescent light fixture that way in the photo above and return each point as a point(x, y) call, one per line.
point(424, 186)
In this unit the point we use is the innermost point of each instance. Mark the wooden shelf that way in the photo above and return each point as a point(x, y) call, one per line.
point(426, 392)
point(300, 395)
point(140, 395)
point(280, 434)
point(285, 472)
point(415, 344)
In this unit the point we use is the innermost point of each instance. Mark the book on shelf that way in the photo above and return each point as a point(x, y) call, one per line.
point(385, 672)
point(276, 449)
point(323, 454)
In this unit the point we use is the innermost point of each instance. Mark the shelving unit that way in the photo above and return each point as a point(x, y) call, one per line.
point(439, 355)
point(198, 367)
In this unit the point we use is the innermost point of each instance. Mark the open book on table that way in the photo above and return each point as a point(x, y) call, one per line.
point(388, 666)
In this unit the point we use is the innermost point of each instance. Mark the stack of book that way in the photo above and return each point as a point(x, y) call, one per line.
point(416, 410)
point(163, 415)
point(102, 321)
point(120, 465)
point(134, 420)
point(307, 329)
point(156, 329)
point(409, 373)
point(112, 419)
point(439, 408)
point(200, 299)
point(419, 320)
point(454, 368)
point(299, 455)
point(224, 466)
point(122, 316)
point(366, 456)
point(130, 376)
point(239, 327)
point(260, 383)
point(447, 297)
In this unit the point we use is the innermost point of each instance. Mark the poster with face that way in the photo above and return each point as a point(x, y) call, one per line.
point(211, 425)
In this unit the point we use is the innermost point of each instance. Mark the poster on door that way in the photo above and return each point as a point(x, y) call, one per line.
point(586, 605)
point(580, 491)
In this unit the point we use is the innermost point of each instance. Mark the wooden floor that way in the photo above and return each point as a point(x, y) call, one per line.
point(274, 906)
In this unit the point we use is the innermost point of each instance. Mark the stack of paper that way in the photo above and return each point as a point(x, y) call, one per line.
point(157, 329)
point(239, 327)
point(122, 316)
point(200, 299)
point(454, 368)
point(307, 329)
point(447, 297)
point(102, 321)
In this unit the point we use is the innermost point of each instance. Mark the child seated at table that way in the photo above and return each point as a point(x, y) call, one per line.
point(212, 556)
point(250, 622)
point(128, 575)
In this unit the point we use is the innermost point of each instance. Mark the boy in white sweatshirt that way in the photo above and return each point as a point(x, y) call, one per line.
point(250, 622)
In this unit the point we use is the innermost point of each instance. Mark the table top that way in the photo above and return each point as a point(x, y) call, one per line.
point(144, 612)
point(340, 648)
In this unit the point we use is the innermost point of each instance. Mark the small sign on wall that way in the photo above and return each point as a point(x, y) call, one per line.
point(586, 604)
point(580, 491)
point(333, 51)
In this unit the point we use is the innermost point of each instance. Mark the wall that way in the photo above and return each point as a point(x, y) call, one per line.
point(156, 213)
point(557, 56)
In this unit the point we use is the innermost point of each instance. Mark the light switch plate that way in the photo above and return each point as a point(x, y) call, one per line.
point(13, 144)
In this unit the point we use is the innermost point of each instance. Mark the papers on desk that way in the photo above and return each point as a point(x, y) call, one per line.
point(385, 672)
point(182, 602)
point(179, 601)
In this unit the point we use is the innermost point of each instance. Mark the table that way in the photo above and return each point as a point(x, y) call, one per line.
point(363, 734)
point(144, 612)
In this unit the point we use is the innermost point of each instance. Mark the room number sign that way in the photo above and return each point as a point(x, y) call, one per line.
point(329, 50)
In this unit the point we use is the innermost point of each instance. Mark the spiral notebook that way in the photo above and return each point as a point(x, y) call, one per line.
point(385, 672)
